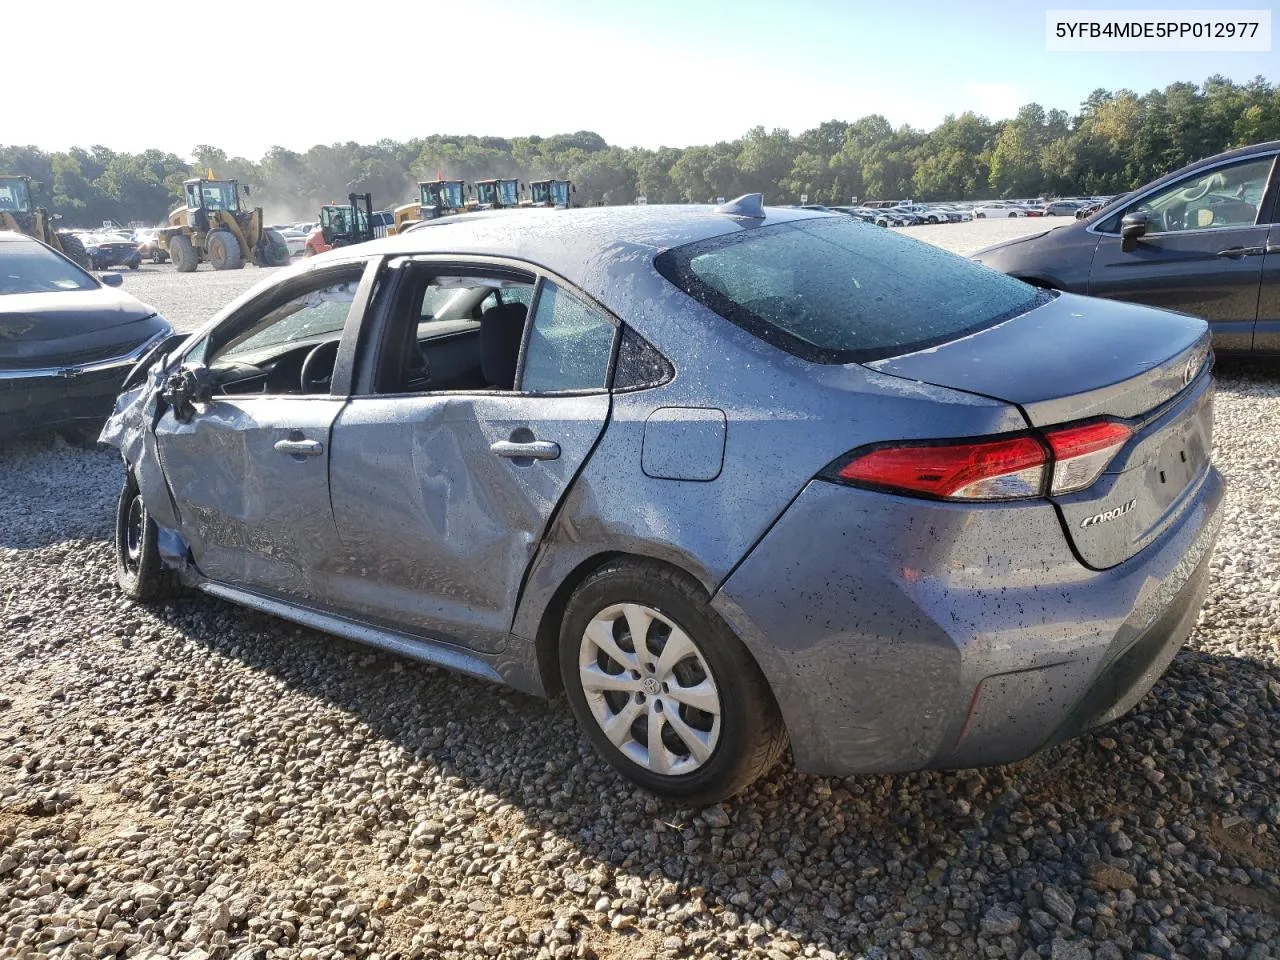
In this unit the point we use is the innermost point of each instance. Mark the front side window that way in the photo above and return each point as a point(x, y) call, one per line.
point(570, 344)
point(282, 348)
point(1220, 198)
point(30, 267)
point(837, 290)
point(311, 317)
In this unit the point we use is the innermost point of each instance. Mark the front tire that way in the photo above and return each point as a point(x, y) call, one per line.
point(140, 573)
point(183, 253)
point(223, 250)
point(661, 686)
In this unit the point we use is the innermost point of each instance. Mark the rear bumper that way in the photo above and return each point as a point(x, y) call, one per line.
point(902, 635)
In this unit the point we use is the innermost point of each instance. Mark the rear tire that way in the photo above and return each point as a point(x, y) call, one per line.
point(140, 572)
point(223, 250)
point(73, 248)
point(1013, 216)
point(614, 683)
point(183, 253)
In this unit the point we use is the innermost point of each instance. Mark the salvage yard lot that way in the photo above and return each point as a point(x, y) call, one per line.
point(196, 776)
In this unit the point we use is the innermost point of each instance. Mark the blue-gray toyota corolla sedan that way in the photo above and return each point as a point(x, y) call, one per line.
point(732, 478)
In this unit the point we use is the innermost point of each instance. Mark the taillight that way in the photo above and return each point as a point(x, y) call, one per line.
point(979, 470)
point(1081, 453)
point(1016, 467)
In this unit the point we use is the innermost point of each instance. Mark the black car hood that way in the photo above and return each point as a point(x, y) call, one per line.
point(76, 326)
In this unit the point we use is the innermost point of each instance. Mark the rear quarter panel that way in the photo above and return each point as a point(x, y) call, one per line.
point(785, 420)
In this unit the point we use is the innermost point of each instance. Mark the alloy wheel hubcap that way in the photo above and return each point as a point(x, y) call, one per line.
point(649, 688)
point(133, 533)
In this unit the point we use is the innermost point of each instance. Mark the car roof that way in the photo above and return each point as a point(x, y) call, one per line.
point(571, 242)
point(12, 236)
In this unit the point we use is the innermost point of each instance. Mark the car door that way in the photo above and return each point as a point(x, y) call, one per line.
point(441, 499)
point(1202, 253)
point(248, 469)
point(1266, 333)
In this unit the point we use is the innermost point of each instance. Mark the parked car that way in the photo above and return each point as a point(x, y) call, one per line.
point(866, 216)
point(958, 214)
point(459, 469)
point(148, 246)
point(1062, 208)
point(998, 209)
point(1203, 240)
point(295, 240)
point(105, 251)
point(67, 340)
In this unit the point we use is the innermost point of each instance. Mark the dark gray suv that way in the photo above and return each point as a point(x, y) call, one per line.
point(1203, 240)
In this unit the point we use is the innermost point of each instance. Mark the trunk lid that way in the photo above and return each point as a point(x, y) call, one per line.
point(1077, 358)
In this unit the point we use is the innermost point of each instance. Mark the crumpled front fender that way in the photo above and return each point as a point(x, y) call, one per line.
point(131, 430)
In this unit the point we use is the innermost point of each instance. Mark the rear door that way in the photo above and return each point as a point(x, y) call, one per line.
point(1266, 335)
point(1203, 252)
point(441, 498)
point(249, 469)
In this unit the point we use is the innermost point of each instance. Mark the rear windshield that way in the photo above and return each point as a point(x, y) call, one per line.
point(837, 290)
point(30, 267)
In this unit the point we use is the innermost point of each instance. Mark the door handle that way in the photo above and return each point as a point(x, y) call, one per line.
point(1272, 248)
point(300, 448)
point(530, 450)
point(1235, 253)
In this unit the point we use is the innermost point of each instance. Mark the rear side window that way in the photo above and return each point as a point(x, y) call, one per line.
point(570, 345)
point(836, 290)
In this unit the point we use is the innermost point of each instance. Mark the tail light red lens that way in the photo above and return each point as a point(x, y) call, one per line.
point(1067, 459)
point(1082, 452)
point(980, 470)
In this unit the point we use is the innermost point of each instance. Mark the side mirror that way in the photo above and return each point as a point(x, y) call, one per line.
point(55, 216)
point(1132, 228)
point(187, 386)
point(111, 279)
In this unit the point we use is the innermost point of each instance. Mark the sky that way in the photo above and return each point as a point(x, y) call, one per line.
point(638, 72)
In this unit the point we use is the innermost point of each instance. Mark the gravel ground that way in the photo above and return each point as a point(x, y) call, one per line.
point(197, 780)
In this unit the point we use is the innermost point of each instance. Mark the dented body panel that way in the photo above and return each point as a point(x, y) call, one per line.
point(895, 633)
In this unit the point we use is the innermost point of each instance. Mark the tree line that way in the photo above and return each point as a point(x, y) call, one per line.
point(1115, 141)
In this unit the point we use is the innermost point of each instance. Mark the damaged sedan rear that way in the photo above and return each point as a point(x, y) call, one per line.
point(732, 478)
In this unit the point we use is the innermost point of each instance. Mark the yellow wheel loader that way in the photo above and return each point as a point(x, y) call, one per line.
point(213, 227)
point(436, 198)
point(18, 213)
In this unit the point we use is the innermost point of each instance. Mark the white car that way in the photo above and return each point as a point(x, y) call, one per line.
point(295, 240)
point(998, 208)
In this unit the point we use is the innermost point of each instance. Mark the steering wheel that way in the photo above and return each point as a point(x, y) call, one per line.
point(312, 381)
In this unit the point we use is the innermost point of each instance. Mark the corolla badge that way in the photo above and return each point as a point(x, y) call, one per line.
point(1108, 515)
